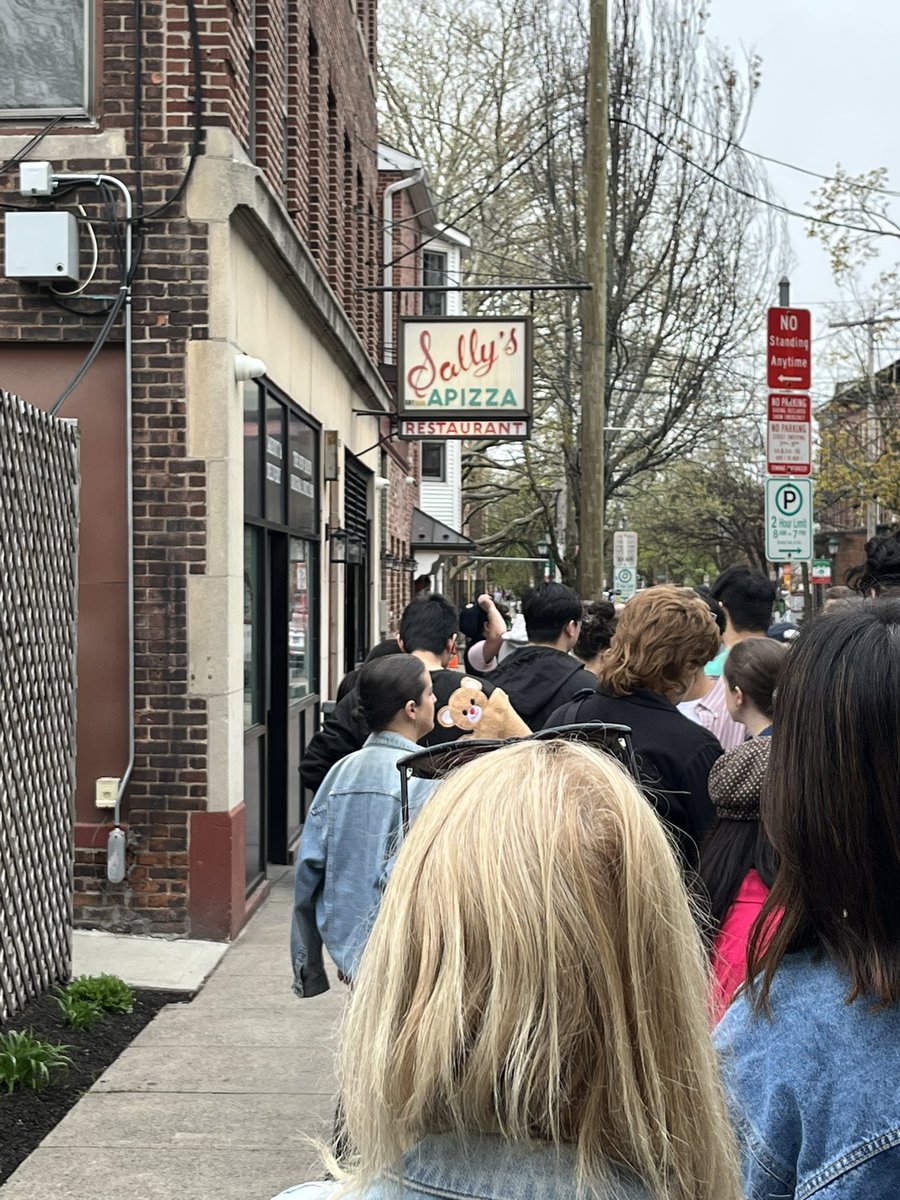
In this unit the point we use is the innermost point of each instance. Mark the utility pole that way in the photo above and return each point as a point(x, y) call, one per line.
point(593, 373)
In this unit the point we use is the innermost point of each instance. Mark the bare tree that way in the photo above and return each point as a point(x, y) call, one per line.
point(493, 98)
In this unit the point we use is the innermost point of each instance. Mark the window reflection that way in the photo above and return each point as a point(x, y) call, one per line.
point(300, 620)
point(252, 631)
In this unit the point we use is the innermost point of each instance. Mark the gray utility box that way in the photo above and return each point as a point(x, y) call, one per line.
point(42, 246)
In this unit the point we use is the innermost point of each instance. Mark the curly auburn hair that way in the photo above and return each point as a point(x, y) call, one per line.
point(663, 638)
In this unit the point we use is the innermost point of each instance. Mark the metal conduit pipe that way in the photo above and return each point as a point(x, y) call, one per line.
point(115, 864)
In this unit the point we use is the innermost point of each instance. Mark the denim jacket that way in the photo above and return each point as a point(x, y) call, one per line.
point(481, 1167)
point(349, 836)
point(814, 1089)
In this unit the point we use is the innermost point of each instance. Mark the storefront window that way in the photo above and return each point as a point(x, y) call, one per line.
point(253, 675)
point(252, 475)
point(304, 474)
point(301, 649)
point(274, 460)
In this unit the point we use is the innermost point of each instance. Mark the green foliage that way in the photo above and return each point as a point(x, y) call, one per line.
point(26, 1061)
point(79, 1013)
point(108, 992)
point(696, 518)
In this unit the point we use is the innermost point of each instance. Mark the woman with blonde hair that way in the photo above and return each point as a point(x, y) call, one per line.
point(662, 640)
point(529, 1016)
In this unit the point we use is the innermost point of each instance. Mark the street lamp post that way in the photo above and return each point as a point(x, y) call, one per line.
point(543, 549)
point(833, 546)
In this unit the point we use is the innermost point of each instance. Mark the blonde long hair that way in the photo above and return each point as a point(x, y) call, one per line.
point(535, 972)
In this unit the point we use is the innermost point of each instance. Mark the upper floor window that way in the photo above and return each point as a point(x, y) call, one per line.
point(434, 461)
point(434, 272)
point(46, 58)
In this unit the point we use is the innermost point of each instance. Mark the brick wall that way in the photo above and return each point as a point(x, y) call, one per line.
point(256, 81)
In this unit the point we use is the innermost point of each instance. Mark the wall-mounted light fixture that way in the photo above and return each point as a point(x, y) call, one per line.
point(338, 540)
point(246, 367)
point(409, 564)
point(833, 546)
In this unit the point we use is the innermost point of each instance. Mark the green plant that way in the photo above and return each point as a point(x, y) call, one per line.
point(107, 991)
point(26, 1061)
point(79, 1013)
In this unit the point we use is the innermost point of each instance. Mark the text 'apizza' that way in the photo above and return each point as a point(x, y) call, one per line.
point(460, 366)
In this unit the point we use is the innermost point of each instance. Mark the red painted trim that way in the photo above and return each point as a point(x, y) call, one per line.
point(92, 835)
point(216, 862)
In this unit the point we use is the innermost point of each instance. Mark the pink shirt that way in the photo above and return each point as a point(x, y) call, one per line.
point(729, 958)
point(712, 713)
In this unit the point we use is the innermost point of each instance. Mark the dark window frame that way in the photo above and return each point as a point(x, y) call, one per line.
point(91, 73)
point(429, 476)
point(434, 304)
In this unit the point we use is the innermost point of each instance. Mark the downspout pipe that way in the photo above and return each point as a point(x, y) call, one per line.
point(387, 253)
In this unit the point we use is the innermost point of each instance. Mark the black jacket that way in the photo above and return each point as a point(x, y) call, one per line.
point(343, 731)
point(538, 679)
point(674, 756)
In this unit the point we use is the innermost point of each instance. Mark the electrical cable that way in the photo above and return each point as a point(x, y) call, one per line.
point(197, 136)
point(94, 264)
point(733, 187)
point(29, 145)
point(720, 137)
point(520, 166)
point(94, 350)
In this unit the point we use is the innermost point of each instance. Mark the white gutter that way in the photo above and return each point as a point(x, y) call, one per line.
point(387, 251)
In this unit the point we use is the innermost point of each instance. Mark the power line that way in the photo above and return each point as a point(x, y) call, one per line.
point(740, 191)
point(720, 137)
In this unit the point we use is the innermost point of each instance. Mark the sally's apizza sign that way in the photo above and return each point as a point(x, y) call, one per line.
point(464, 377)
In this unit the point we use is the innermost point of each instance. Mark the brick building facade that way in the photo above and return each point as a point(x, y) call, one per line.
point(267, 553)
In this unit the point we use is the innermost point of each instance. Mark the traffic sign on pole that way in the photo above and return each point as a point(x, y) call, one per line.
point(789, 520)
point(625, 582)
point(625, 543)
point(789, 350)
point(788, 438)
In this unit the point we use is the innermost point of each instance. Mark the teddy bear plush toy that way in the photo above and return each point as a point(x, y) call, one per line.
point(480, 716)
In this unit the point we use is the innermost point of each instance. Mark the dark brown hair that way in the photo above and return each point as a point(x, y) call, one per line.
point(598, 624)
point(831, 805)
point(755, 666)
point(880, 571)
point(664, 636)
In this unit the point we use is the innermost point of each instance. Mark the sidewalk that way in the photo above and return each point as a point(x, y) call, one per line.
point(215, 1099)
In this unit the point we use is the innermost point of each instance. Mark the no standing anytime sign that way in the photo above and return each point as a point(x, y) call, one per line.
point(788, 350)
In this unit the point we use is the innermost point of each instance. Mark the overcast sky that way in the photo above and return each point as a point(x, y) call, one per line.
point(829, 94)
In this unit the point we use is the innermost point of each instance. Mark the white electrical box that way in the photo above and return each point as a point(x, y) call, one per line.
point(105, 793)
point(42, 246)
point(36, 178)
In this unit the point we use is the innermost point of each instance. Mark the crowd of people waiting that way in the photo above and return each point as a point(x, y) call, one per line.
point(539, 948)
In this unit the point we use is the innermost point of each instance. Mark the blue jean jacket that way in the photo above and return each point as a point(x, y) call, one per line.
point(350, 833)
point(814, 1090)
point(482, 1167)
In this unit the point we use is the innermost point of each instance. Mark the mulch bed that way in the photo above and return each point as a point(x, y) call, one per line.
point(26, 1117)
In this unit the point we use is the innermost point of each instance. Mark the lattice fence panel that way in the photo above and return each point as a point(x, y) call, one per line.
point(38, 608)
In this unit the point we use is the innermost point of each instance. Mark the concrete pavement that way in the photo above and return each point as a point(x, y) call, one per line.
point(215, 1100)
